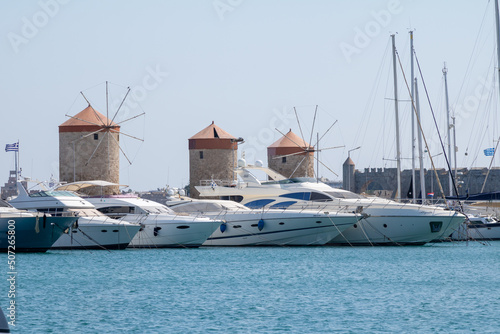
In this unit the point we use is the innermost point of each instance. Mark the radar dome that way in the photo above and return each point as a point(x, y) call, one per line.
point(258, 163)
point(242, 163)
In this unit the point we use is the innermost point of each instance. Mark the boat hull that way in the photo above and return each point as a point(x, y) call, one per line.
point(486, 232)
point(98, 233)
point(32, 234)
point(400, 230)
point(169, 231)
point(279, 229)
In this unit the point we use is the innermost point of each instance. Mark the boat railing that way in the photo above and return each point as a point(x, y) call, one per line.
point(27, 214)
point(14, 215)
point(218, 183)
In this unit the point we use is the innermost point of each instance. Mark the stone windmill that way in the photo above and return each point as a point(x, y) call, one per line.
point(292, 156)
point(89, 146)
point(212, 156)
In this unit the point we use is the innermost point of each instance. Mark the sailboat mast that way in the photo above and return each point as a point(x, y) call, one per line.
point(398, 150)
point(317, 162)
point(454, 148)
point(497, 20)
point(445, 72)
point(420, 150)
point(413, 183)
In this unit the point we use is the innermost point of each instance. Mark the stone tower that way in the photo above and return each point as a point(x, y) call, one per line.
point(212, 156)
point(348, 181)
point(300, 164)
point(89, 150)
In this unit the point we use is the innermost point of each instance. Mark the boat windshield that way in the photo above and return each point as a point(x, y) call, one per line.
point(4, 204)
point(58, 193)
point(155, 209)
point(344, 194)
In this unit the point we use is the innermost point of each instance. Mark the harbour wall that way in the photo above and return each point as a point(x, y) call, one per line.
point(383, 181)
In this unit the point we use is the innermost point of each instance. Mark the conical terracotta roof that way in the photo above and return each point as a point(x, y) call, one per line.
point(213, 137)
point(212, 131)
point(288, 144)
point(290, 140)
point(87, 120)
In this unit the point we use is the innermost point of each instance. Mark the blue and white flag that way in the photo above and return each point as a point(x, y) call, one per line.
point(489, 152)
point(12, 147)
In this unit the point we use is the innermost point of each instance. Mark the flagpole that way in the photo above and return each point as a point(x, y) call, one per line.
point(14, 148)
point(17, 161)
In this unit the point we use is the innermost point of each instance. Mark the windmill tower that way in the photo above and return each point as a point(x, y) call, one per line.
point(291, 156)
point(89, 147)
point(212, 156)
point(84, 151)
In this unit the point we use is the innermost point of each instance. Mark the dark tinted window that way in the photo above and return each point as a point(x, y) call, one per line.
point(117, 209)
point(232, 198)
point(319, 197)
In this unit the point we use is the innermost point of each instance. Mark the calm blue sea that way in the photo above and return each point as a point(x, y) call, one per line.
point(447, 287)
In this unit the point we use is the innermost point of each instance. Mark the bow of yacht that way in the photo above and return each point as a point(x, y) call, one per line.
point(91, 229)
point(23, 231)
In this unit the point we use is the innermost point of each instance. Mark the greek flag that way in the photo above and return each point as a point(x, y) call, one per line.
point(12, 147)
point(489, 152)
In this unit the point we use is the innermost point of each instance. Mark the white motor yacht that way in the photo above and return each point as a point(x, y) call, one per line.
point(160, 226)
point(478, 227)
point(23, 231)
point(245, 227)
point(92, 230)
point(385, 222)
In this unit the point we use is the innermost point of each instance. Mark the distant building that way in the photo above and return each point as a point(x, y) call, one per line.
point(89, 150)
point(383, 181)
point(10, 187)
point(348, 171)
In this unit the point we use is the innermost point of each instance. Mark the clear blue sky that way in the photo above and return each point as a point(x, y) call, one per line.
point(243, 64)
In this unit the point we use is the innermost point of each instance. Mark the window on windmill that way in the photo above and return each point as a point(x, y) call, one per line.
point(201, 154)
point(96, 136)
point(283, 160)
